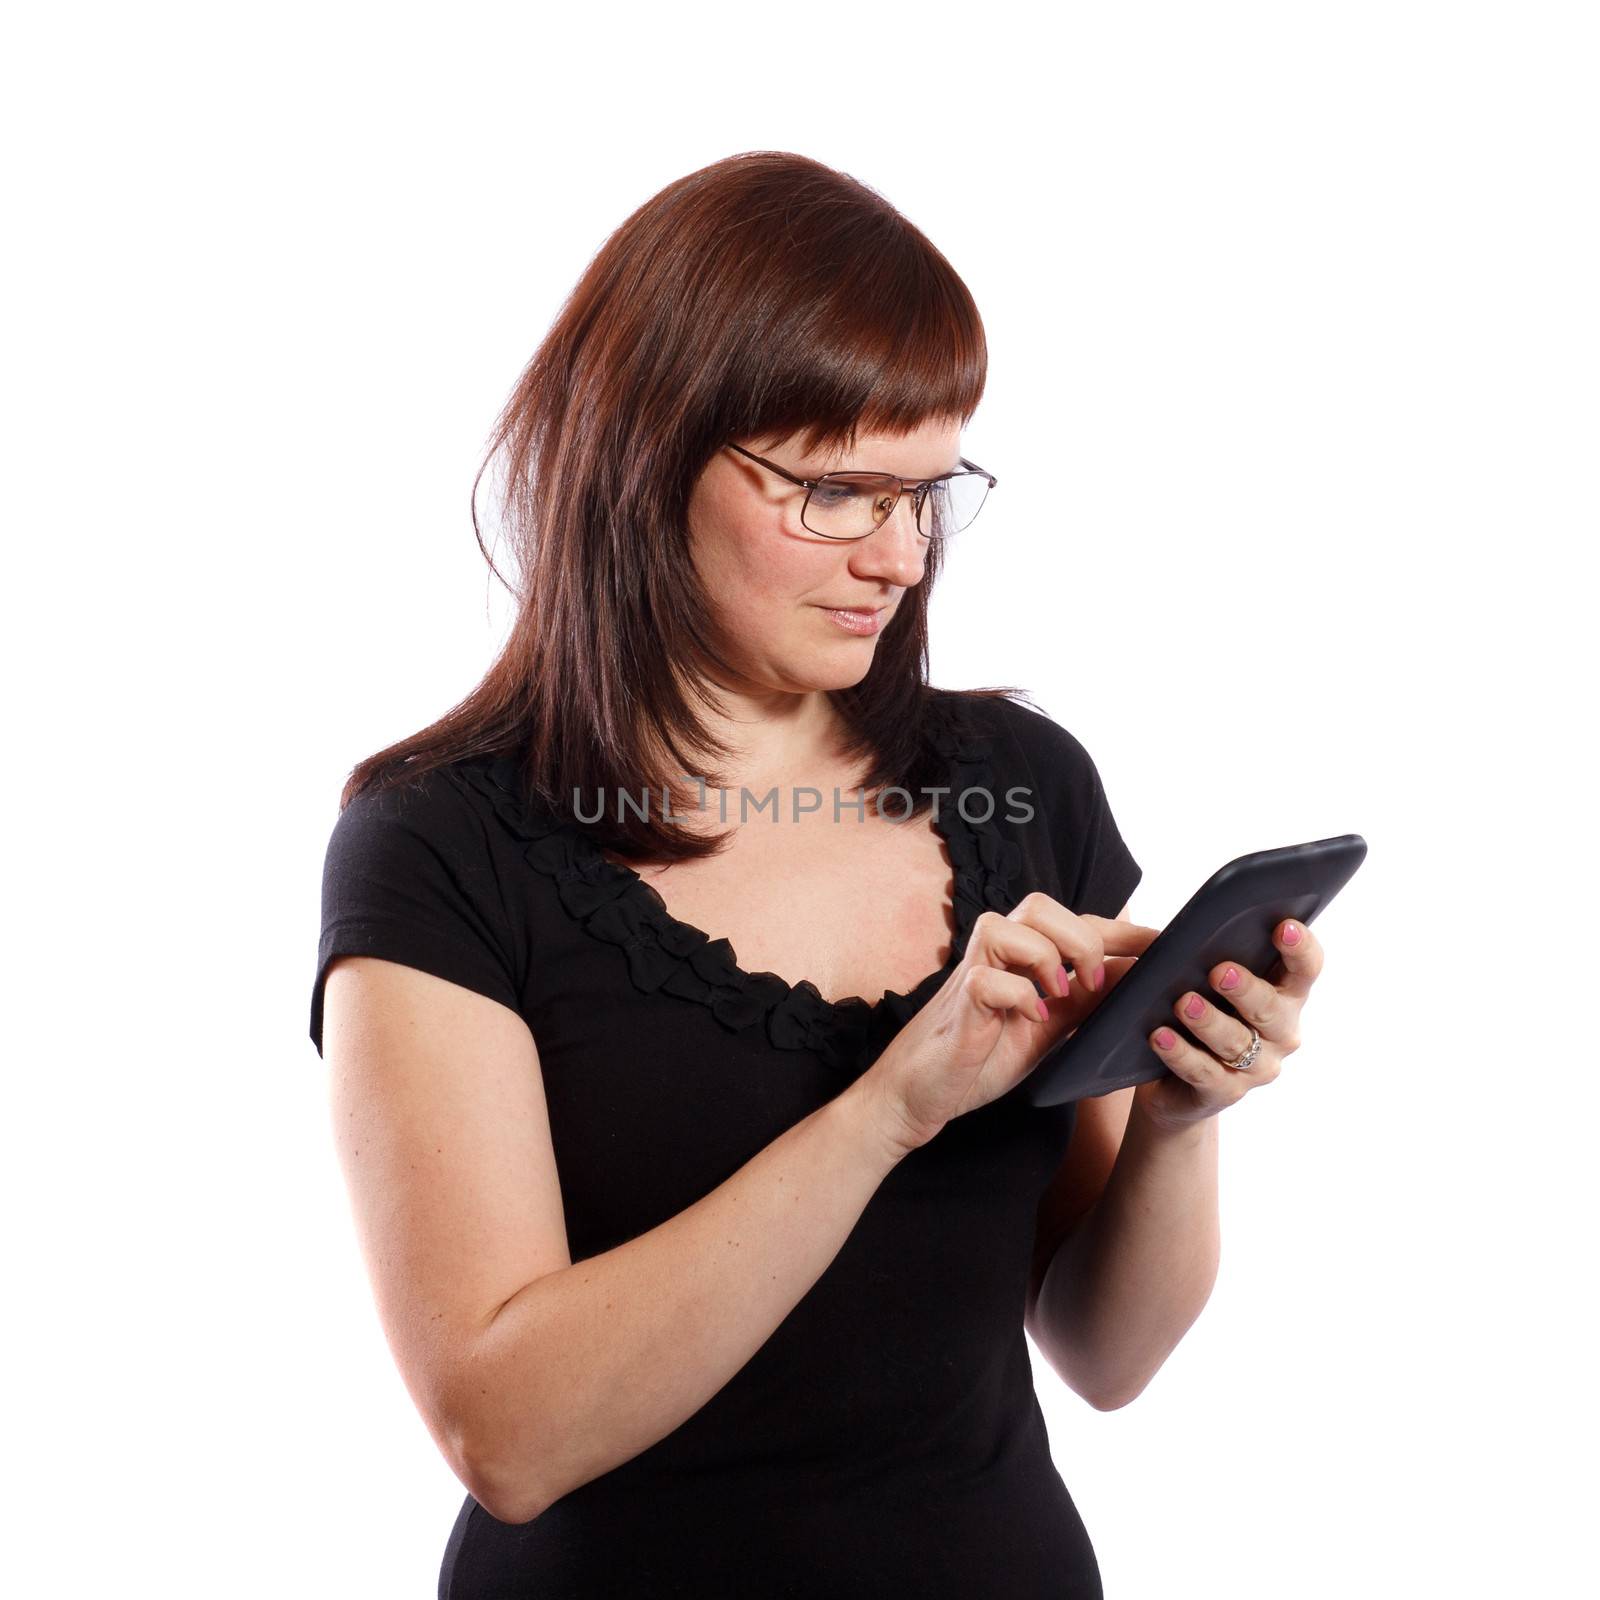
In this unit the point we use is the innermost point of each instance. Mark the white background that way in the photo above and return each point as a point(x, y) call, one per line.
point(1292, 394)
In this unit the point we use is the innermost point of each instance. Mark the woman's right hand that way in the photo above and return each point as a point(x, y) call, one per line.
point(982, 1033)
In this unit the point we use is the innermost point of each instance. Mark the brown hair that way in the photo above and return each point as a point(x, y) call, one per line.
point(759, 297)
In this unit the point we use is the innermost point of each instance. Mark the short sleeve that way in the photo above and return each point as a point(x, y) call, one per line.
point(1096, 869)
point(408, 876)
point(1106, 872)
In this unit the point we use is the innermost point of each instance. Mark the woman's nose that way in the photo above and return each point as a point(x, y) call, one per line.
point(894, 549)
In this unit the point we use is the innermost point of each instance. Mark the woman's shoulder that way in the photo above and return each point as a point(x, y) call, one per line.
point(457, 810)
point(1028, 747)
point(411, 874)
point(434, 798)
point(1020, 731)
point(1072, 818)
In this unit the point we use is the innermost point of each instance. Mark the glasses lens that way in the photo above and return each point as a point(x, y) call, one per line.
point(951, 505)
point(850, 505)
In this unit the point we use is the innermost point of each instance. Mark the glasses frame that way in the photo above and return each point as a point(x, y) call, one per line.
point(918, 486)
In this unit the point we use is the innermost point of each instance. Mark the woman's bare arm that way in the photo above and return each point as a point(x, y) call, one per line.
point(534, 1374)
point(586, 1367)
point(1135, 1272)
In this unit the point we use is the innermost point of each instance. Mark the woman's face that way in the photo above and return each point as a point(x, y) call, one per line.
point(774, 583)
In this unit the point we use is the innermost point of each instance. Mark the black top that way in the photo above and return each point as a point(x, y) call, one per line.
point(886, 1439)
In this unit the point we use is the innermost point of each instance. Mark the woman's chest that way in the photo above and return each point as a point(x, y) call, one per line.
point(856, 907)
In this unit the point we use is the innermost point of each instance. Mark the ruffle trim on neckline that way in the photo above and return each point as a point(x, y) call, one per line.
point(614, 904)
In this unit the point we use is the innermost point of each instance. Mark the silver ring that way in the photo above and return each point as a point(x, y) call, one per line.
point(1248, 1058)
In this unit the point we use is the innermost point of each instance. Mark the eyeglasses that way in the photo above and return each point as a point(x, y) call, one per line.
point(854, 505)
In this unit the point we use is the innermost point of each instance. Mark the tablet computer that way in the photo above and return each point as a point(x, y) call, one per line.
point(1229, 918)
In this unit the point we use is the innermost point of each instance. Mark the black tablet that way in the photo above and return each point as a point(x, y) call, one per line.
point(1229, 918)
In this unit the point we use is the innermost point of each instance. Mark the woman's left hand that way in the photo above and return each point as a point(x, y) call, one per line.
point(1199, 1085)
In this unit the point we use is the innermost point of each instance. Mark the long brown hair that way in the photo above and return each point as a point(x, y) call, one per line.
point(762, 296)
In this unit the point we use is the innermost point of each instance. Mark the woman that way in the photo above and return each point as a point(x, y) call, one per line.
point(708, 1273)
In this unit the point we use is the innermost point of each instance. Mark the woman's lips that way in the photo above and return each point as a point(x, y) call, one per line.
point(856, 619)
